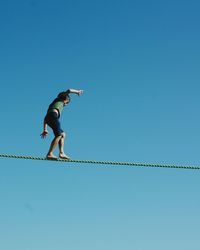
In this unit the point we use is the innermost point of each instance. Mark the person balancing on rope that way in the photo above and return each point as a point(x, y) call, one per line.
point(52, 120)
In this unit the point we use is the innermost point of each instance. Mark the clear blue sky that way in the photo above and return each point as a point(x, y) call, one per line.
point(138, 62)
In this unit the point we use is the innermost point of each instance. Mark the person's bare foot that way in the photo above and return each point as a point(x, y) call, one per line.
point(52, 157)
point(64, 156)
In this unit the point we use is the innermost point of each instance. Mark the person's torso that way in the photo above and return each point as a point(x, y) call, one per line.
point(56, 104)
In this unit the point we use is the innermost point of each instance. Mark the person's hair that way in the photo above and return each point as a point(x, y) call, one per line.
point(63, 96)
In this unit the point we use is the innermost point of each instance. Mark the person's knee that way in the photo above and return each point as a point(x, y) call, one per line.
point(63, 135)
point(57, 137)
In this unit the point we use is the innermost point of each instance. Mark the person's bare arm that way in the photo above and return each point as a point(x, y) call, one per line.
point(74, 91)
point(45, 132)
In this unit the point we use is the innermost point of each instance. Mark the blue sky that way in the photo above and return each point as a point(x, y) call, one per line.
point(138, 62)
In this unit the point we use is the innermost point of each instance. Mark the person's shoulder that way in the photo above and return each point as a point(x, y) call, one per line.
point(57, 99)
point(67, 92)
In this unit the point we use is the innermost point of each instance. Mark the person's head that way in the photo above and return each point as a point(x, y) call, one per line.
point(64, 97)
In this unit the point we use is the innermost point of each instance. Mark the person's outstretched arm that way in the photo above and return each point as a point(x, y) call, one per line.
point(74, 91)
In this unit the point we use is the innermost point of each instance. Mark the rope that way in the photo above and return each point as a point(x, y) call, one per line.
point(102, 162)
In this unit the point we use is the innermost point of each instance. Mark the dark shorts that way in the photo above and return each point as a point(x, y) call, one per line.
point(52, 120)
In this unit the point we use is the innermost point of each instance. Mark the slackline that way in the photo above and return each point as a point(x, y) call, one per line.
point(133, 164)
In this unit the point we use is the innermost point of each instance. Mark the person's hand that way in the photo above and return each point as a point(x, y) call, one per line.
point(80, 92)
point(44, 134)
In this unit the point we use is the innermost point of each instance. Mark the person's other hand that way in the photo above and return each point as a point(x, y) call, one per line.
point(44, 134)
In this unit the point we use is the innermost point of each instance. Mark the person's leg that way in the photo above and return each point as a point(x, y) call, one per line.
point(54, 123)
point(61, 147)
point(61, 143)
point(53, 145)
